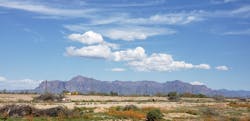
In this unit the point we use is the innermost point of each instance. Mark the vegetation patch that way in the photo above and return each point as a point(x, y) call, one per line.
point(154, 115)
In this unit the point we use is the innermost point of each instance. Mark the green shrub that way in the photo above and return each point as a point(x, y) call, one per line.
point(173, 96)
point(130, 107)
point(154, 115)
point(234, 119)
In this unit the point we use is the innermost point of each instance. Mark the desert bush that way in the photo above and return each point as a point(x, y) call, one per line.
point(173, 96)
point(48, 97)
point(234, 119)
point(113, 93)
point(193, 95)
point(130, 107)
point(16, 110)
point(52, 112)
point(126, 114)
point(243, 99)
point(84, 110)
point(219, 98)
point(154, 115)
point(209, 112)
point(4, 116)
point(239, 105)
point(158, 94)
point(192, 112)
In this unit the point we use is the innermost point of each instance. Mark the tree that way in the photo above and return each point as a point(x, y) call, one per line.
point(113, 93)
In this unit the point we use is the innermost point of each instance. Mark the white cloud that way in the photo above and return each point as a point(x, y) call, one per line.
point(222, 68)
point(96, 46)
point(242, 9)
point(88, 37)
point(239, 32)
point(94, 51)
point(169, 18)
point(118, 69)
point(127, 33)
point(163, 62)
point(228, 1)
point(202, 66)
point(105, 52)
point(197, 83)
point(2, 78)
point(222, 1)
point(133, 3)
point(135, 33)
point(130, 54)
point(135, 58)
point(174, 18)
point(44, 9)
point(19, 84)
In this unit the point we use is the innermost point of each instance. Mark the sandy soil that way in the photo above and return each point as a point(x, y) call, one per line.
point(103, 102)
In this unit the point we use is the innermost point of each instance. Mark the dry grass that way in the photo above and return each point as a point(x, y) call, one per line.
point(239, 105)
point(188, 109)
point(29, 118)
point(127, 114)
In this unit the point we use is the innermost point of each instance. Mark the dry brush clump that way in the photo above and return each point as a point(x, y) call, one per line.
point(26, 110)
point(239, 105)
point(49, 97)
point(219, 98)
point(154, 115)
point(16, 110)
point(127, 114)
point(129, 111)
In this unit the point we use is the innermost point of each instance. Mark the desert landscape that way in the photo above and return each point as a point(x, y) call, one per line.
point(109, 108)
point(124, 60)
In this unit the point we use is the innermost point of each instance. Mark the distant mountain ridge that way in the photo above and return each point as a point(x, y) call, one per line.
point(85, 85)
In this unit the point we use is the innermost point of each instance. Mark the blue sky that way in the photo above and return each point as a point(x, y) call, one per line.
point(199, 42)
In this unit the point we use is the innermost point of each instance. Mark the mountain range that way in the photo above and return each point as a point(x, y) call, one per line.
point(85, 85)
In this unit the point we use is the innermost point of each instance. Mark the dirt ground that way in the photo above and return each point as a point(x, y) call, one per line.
point(102, 102)
point(187, 108)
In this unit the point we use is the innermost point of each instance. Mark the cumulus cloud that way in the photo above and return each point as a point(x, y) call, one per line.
point(130, 54)
point(118, 69)
point(94, 51)
point(197, 83)
point(88, 37)
point(163, 62)
point(135, 58)
point(222, 68)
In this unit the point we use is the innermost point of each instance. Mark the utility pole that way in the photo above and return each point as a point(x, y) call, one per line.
point(46, 86)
